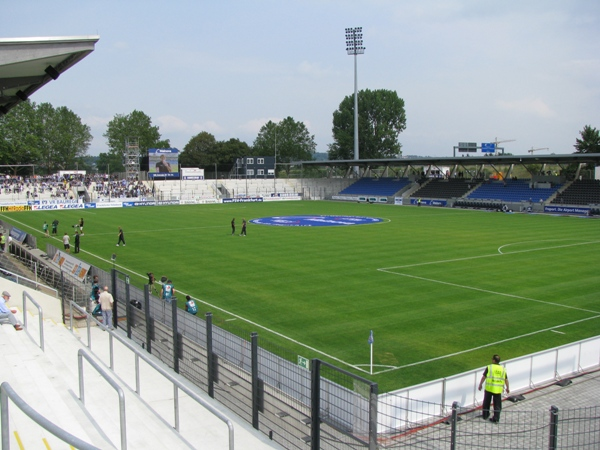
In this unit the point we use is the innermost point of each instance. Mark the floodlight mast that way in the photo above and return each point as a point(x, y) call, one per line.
point(354, 46)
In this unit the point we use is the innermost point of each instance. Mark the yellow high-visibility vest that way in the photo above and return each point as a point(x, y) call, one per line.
point(494, 381)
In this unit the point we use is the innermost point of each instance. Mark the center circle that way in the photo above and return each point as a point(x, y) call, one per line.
point(315, 221)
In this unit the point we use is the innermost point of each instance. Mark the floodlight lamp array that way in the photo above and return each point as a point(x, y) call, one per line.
point(354, 42)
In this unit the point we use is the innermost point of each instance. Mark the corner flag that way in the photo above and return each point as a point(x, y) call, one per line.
point(371, 338)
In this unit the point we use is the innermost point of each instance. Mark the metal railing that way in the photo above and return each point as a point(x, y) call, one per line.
point(463, 428)
point(83, 353)
point(37, 285)
point(177, 385)
point(73, 305)
point(6, 392)
point(40, 315)
point(525, 372)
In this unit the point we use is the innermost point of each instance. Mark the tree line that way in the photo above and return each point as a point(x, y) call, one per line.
point(55, 139)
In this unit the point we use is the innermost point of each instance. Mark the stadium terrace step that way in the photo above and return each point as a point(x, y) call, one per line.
point(48, 381)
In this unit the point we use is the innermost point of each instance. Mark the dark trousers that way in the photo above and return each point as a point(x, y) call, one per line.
point(487, 400)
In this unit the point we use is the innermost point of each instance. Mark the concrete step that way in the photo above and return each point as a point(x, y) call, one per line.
point(197, 426)
point(45, 387)
point(48, 380)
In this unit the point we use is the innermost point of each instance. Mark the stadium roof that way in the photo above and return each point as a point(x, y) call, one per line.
point(573, 158)
point(27, 64)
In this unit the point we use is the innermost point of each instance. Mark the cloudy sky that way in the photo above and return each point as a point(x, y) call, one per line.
point(527, 71)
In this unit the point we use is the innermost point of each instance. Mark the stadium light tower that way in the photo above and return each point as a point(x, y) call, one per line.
point(354, 46)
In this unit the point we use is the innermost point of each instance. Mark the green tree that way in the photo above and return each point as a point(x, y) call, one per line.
point(589, 142)
point(204, 151)
point(51, 138)
point(229, 151)
point(381, 118)
point(65, 139)
point(200, 151)
point(110, 163)
point(288, 141)
point(136, 125)
point(20, 137)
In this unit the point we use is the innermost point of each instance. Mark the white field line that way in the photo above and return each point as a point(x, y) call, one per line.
point(553, 328)
point(469, 258)
point(487, 291)
point(388, 270)
point(449, 355)
point(223, 310)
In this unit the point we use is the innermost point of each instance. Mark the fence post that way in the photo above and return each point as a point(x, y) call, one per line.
point(210, 360)
point(553, 438)
point(128, 311)
point(254, 365)
point(62, 296)
point(175, 335)
point(113, 289)
point(453, 425)
point(149, 320)
point(315, 404)
point(373, 416)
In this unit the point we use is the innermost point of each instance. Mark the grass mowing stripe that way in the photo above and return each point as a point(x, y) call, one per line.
point(504, 294)
point(321, 287)
point(462, 352)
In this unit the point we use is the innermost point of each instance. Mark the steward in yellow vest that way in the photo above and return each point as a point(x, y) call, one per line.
point(495, 378)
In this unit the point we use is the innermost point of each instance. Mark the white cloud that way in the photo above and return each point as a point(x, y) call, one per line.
point(532, 106)
point(95, 121)
point(313, 70)
point(173, 124)
point(254, 125)
point(209, 126)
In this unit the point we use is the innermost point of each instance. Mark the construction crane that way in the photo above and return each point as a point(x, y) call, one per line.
point(537, 149)
point(496, 142)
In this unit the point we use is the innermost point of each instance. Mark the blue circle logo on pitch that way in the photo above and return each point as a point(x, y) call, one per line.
point(315, 221)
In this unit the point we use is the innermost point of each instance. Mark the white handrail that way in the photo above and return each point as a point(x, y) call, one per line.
point(6, 392)
point(176, 383)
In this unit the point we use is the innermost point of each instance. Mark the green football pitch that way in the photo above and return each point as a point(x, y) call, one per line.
point(441, 289)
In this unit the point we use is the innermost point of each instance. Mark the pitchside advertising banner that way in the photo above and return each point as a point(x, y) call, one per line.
point(580, 211)
point(163, 163)
point(18, 235)
point(71, 265)
point(429, 202)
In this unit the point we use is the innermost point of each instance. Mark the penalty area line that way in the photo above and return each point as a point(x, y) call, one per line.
point(487, 291)
point(491, 255)
point(502, 341)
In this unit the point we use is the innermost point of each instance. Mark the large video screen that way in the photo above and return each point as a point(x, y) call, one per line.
point(163, 163)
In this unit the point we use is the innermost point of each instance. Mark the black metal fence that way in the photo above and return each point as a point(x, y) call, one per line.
point(273, 393)
point(420, 425)
point(320, 406)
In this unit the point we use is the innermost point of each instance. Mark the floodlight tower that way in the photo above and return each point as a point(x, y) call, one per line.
point(354, 46)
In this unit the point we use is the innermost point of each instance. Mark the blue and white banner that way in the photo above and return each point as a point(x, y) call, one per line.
point(18, 235)
point(567, 210)
point(243, 200)
point(429, 202)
